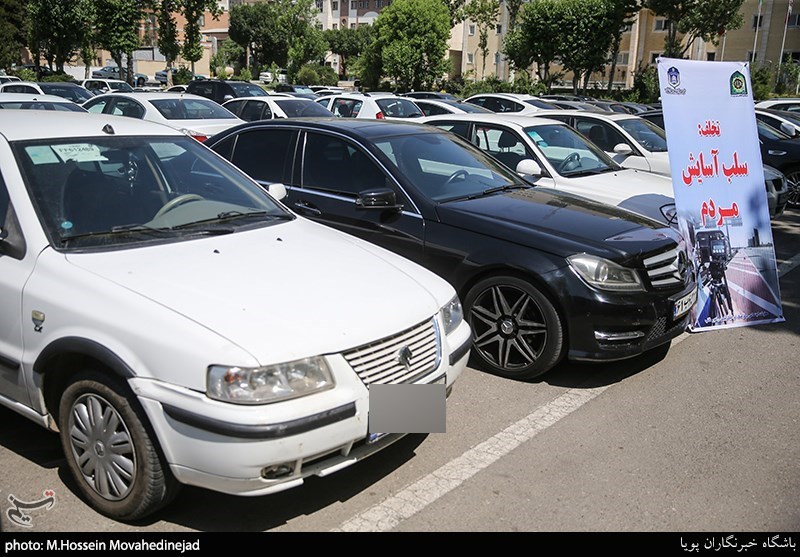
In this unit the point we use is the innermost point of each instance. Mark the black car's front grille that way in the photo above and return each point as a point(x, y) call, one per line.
point(667, 269)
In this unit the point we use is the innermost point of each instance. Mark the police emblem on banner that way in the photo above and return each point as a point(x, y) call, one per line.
point(738, 85)
point(673, 77)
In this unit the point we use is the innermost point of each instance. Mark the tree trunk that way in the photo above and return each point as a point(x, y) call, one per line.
point(131, 77)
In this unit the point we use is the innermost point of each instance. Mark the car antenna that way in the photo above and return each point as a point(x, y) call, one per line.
point(108, 129)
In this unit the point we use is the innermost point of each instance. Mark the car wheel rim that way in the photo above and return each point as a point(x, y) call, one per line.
point(793, 198)
point(102, 447)
point(509, 328)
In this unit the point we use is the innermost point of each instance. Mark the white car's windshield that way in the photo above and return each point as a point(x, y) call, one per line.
point(191, 109)
point(112, 191)
point(570, 154)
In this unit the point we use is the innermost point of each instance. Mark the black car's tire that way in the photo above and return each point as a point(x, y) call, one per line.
point(109, 449)
point(516, 331)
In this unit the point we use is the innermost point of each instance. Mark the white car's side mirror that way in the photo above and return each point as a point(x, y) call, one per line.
point(788, 129)
point(623, 149)
point(529, 167)
point(277, 190)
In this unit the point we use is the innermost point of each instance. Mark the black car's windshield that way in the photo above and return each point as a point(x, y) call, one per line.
point(767, 131)
point(75, 94)
point(243, 89)
point(568, 151)
point(444, 167)
point(115, 191)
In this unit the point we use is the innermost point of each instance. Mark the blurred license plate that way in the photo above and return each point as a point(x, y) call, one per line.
point(684, 304)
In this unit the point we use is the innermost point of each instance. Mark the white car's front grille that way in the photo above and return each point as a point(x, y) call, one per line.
point(401, 358)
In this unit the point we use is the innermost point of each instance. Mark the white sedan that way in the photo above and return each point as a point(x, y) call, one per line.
point(275, 106)
point(552, 154)
point(192, 114)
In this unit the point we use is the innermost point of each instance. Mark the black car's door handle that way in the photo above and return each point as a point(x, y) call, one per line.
point(305, 209)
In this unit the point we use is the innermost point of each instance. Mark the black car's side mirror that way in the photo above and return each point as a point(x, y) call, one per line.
point(379, 198)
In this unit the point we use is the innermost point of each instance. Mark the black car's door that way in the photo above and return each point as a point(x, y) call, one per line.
point(329, 178)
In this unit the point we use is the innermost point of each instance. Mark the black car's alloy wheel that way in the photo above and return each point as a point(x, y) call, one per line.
point(110, 451)
point(516, 330)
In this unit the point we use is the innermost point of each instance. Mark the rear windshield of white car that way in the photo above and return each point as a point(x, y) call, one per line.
point(118, 191)
point(295, 108)
point(399, 108)
point(73, 93)
point(120, 86)
point(191, 109)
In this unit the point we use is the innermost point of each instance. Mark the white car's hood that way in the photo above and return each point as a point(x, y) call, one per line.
point(282, 292)
point(641, 192)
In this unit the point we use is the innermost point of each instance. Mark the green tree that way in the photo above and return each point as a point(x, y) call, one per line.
point(587, 27)
point(167, 33)
point(192, 11)
point(484, 14)
point(12, 31)
point(411, 39)
point(690, 20)
point(348, 43)
point(456, 10)
point(117, 26)
point(623, 13)
point(537, 39)
point(306, 43)
point(513, 7)
point(57, 28)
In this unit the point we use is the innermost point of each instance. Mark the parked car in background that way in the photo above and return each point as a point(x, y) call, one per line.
point(434, 107)
point(161, 75)
point(266, 108)
point(611, 106)
point(542, 275)
point(787, 104)
point(554, 155)
point(99, 86)
point(8, 78)
point(114, 72)
point(176, 89)
point(156, 316)
point(268, 77)
point(510, 102)
point(67, 90)
point(430, 95)
point(301, 91)
point(26, 101)
point(326, 89)
point(575, 105)
point(374, 106)
point(783, 120)
point(196, 116)
point(780, 156)
point(220, 90)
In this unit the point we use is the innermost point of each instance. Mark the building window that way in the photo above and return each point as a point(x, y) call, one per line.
point(201, 21)
point(334, 26)
point(471, 29)
point(660, 24)
point(496, 58)
point(628, 28)
point(318, 3)
point(623, 58)
point(378, 4)
point(470, 58)
point(363, 4)
point(711, 56)
point(498, 29)
point(623, 74)
point(654, 56)
point(794, 20)
point(335, 6)
point(352, 4)
point(352, 26)
point(750, 57)
point(757, 21)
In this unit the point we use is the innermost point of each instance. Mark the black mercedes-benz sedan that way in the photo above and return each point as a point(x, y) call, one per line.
point(542, 275)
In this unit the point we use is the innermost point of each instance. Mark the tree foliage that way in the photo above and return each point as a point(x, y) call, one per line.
point(167, 33)
point(117, 26)
point(537, 39)
point(588, 28)
point(484, 14)
point(411, 38)
point(456, 10)
point(12, 31)
point(57, 29)
point(192, 11)
point(348, 43)
point(690, 20)
point(623, 15)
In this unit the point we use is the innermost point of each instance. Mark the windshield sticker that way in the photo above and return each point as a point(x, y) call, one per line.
point(79, 152)
point(41, 155)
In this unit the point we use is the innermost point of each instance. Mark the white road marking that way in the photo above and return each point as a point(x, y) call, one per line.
point(414, 498)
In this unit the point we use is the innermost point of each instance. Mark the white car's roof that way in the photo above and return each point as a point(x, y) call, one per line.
point(106, 79)
point(608, 116)
point(16, 97)
point(493, 118)
point(513, 96)
point(153, 95)
point(21, 125)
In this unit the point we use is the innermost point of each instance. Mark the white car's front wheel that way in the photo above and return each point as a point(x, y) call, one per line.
point(109, 449)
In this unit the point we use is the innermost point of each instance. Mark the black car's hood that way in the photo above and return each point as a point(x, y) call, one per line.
point(559, 223)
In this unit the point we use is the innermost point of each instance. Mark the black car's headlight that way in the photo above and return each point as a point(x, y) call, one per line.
point(604, 274)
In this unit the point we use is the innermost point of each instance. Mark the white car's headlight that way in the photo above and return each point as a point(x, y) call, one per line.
point(452, 315)
point(604, 274)
point(262, 385)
